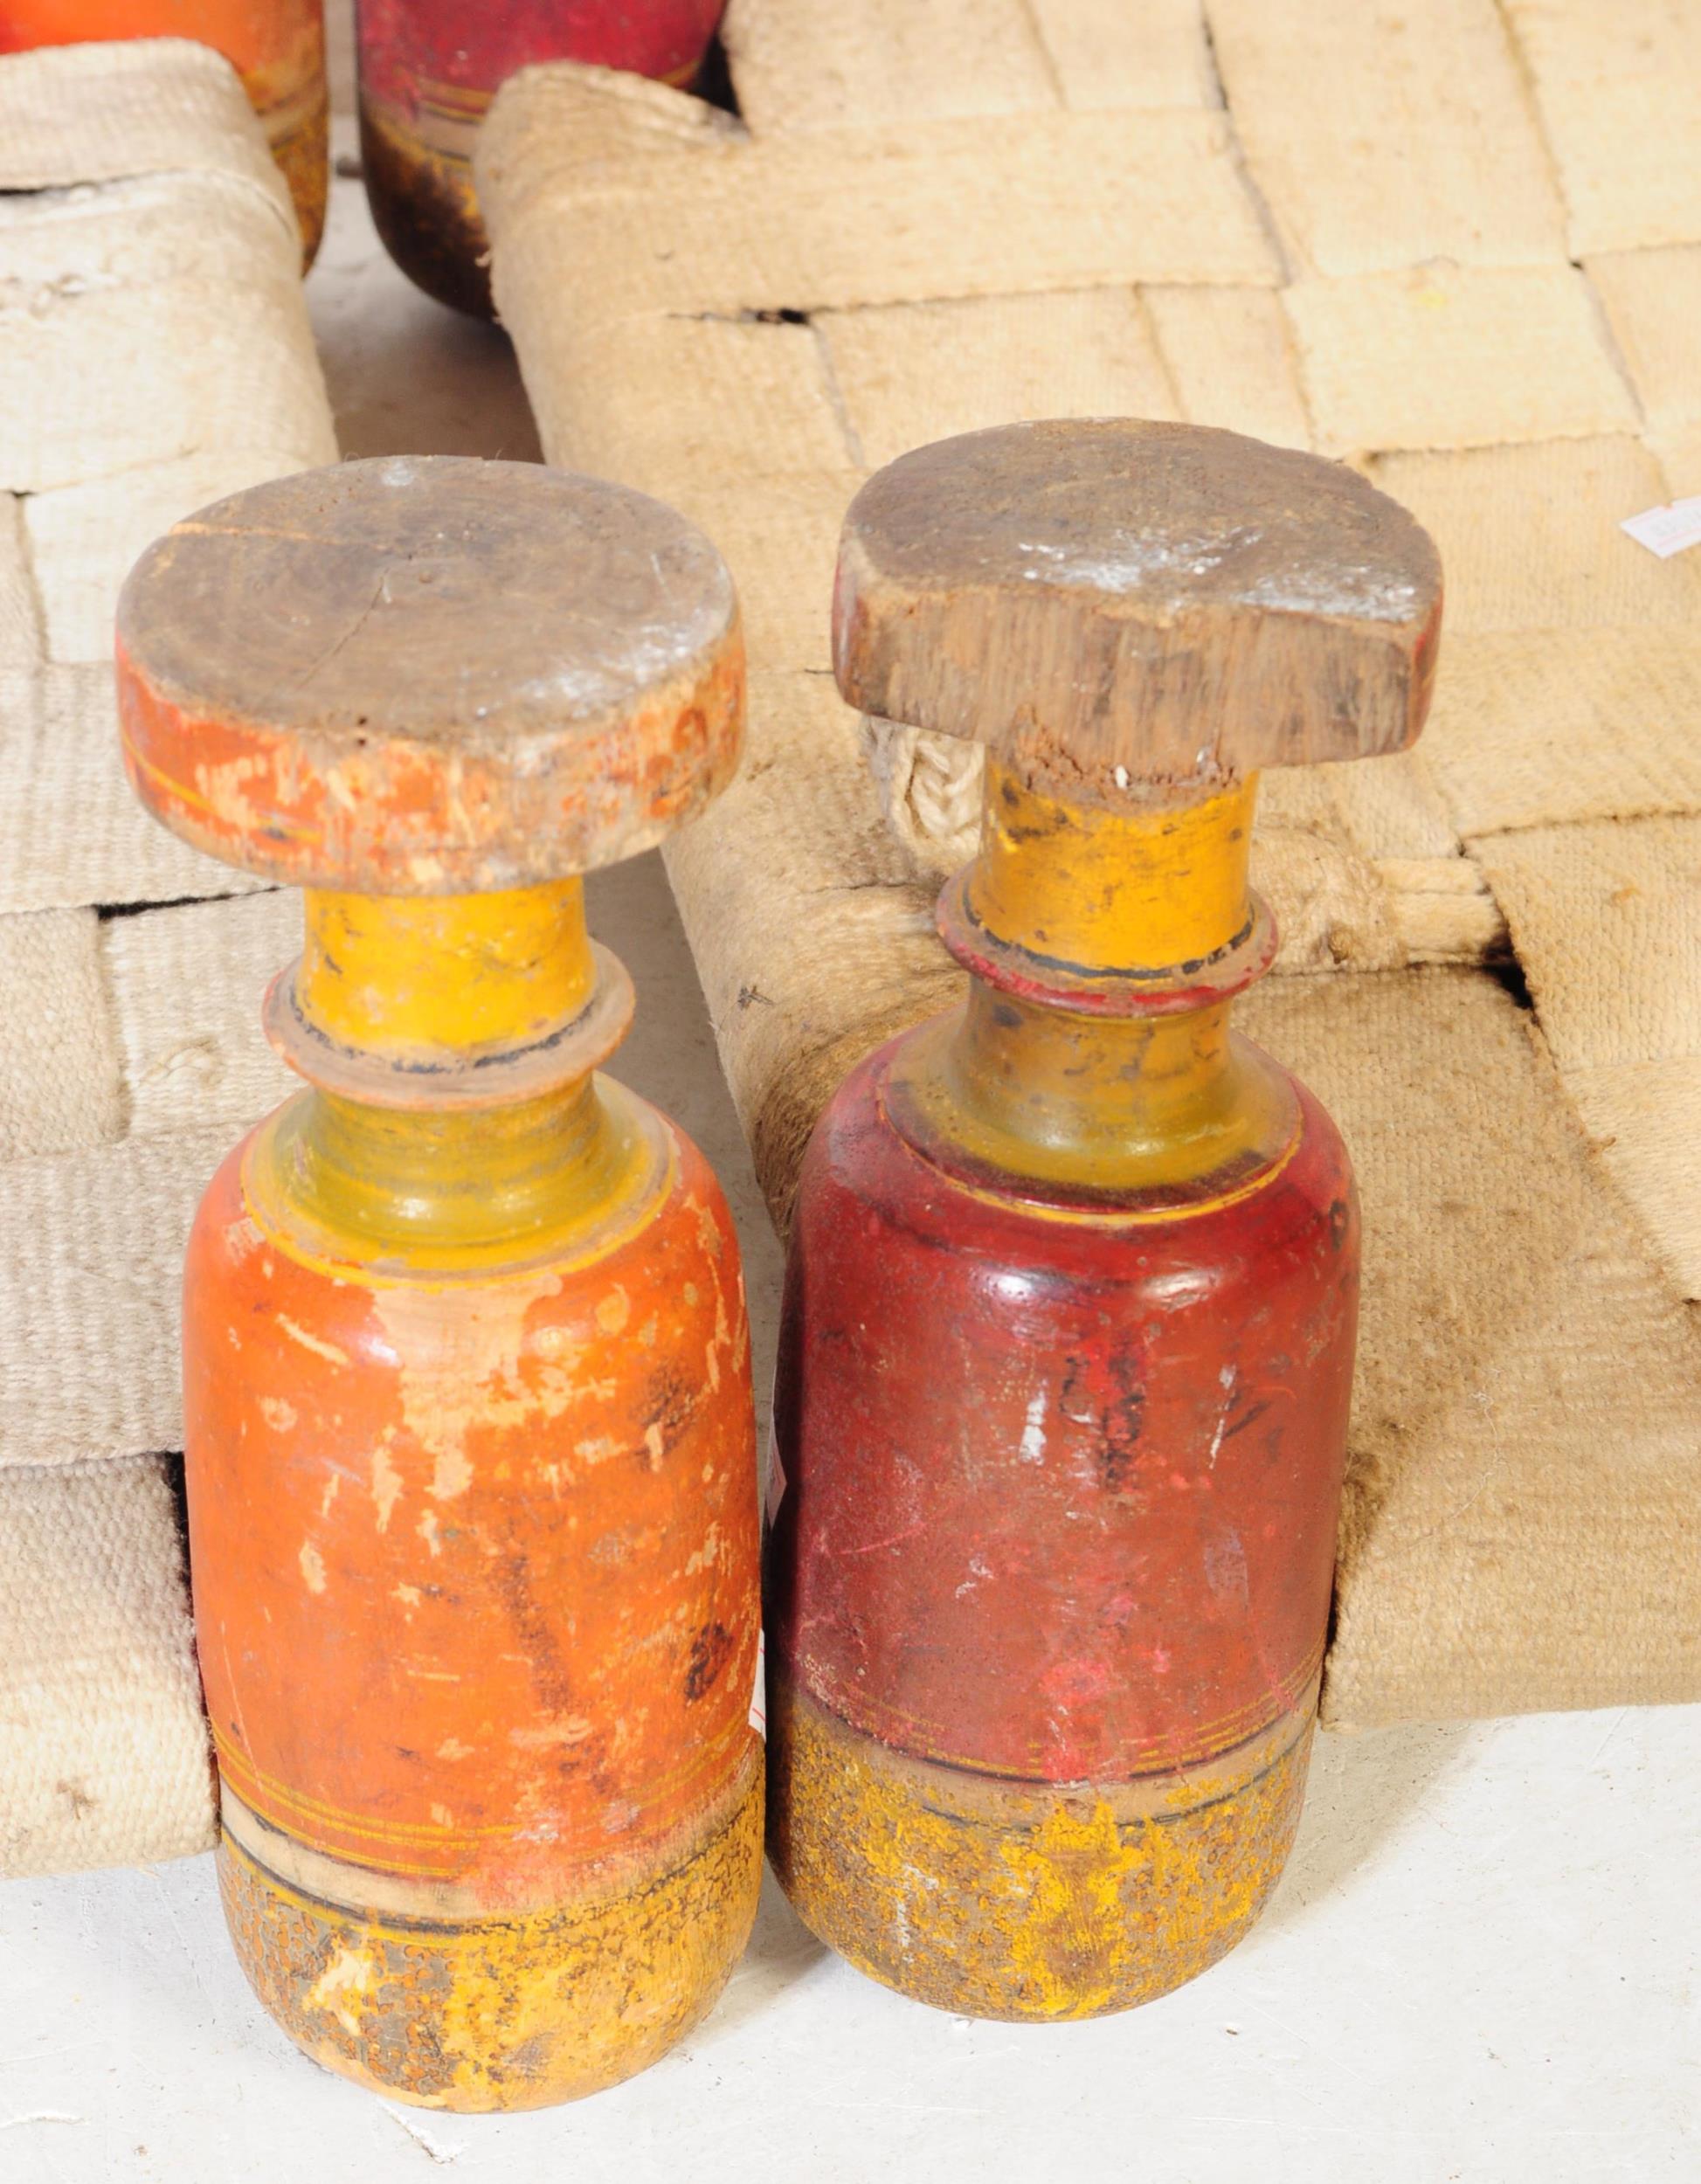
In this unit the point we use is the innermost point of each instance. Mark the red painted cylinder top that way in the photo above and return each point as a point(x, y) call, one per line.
point(1062, 1495)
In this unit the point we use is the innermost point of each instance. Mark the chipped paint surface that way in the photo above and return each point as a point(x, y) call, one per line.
point(457, 1354)
point(459, 1557)
point(931, 1335)
point(324, 803)
point(515, 2011)
point(1065, 1365)
point(1021, 1900)
point(509, 1554)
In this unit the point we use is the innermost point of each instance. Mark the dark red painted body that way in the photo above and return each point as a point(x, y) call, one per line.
point(428, 72)
point(406, 44)
point(1060, 1491)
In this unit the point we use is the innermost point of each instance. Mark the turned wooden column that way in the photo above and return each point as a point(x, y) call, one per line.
point(469, 1441)
point(1069, 1331)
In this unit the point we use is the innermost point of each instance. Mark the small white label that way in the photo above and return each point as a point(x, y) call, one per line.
point(759, 1687)
point(1667, 530)
point(775, 1493)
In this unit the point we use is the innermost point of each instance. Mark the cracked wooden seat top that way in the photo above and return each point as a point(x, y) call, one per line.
point(1112, 600)
point(429, 675)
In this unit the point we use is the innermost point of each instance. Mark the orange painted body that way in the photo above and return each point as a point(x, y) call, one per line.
point(276, 46)
point(472, 1500)
point(498, 1531)
point(470, 1446)
point(474, 1562)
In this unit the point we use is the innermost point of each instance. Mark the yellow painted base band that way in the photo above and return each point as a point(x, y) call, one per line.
point(997, 1899)
point(508, 2012)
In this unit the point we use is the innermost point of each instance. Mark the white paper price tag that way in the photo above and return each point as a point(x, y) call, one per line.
point(1667, 530)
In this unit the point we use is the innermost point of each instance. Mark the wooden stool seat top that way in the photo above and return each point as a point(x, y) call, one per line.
point(1109, 603)
point(430, 676)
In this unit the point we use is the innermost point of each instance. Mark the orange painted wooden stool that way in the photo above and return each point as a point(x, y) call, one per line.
point(469, 1441)
point(1070, 1309)
point(276, 46)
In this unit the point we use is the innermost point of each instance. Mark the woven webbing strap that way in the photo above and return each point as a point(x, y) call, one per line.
point(155, 355)
point(1460, 249)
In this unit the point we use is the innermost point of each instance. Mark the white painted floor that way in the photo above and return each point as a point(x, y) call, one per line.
point(1482, 1963)
point(1480, 1966)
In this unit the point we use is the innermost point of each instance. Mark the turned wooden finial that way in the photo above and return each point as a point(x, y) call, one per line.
point(469, 1448)
point(1066, 1351)
point(1112, 605)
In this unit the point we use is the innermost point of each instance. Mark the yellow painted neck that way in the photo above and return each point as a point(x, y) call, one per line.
point(1120, 892)
point(425, 982)
point(1090, 1087)
point(1039, 1076)
point(417, 976)
point(454, 1183)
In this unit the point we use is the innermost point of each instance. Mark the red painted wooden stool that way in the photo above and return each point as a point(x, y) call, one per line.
point(428, 72)
point(1069, 1319)
point(469, 1439)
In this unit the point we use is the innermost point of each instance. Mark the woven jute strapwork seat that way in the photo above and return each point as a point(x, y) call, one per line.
point(154, 354)
point(1456, 245)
